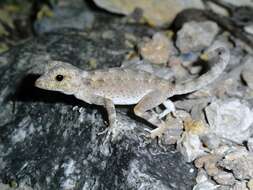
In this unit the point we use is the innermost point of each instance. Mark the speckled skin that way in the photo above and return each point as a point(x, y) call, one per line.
point(125, 86)
point(118, 86)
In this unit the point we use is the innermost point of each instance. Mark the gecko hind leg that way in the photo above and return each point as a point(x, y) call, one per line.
point(169, 108)
point(148, 102)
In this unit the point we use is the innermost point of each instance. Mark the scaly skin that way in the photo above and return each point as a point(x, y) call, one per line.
point(118, 86)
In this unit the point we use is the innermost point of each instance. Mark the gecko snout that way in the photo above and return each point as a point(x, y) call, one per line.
point(39, 83)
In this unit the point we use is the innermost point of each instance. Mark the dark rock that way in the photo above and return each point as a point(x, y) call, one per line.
point(66, 17)
point(50, 141)
point(188, 15)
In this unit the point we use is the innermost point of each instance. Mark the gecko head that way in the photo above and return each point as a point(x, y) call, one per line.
point(61, 77)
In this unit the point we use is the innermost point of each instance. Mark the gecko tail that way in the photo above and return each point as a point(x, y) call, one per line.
point(220, 55)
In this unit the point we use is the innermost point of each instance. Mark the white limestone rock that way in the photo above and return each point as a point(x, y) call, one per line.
point(230, 119)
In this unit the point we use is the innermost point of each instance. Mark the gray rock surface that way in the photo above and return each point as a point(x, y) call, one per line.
point(64, 18)
point(195, 36)
point(50, 140)
point(230, 119)
point(155, 12)
point(73, 14)
point(247, 72)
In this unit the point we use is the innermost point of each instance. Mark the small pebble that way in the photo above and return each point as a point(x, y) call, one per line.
point(250, 144)
point(250, 184)
point(230, 119)
point(195, 36)
point(157, 50)
point(240, 162)
point(224, 178)
point(202, 176)
point(247, 71)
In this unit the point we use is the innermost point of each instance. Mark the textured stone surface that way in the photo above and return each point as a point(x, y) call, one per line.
point(250, 144)
point(50, 140)
point(230, 119)
point(155, 12)
point(224, 178)
point(240, 163)
point(195, 36)
point(158, 49)
point(247, 72)
point(65, 18)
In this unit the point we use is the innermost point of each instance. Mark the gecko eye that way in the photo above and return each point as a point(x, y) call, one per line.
point(59, 78)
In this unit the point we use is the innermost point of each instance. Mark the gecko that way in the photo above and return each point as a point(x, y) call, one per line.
point(122, 86)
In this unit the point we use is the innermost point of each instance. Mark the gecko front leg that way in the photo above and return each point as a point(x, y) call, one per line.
point(99, 100)
point(111, 113)
point(110, 108)
point(148, 102)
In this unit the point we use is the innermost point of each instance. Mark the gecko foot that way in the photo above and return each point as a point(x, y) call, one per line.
point(104, 131)
point(108, 131)
point(158, 132)
point(108, 128)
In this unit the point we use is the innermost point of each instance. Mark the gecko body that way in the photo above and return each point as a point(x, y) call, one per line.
point(120, 86)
